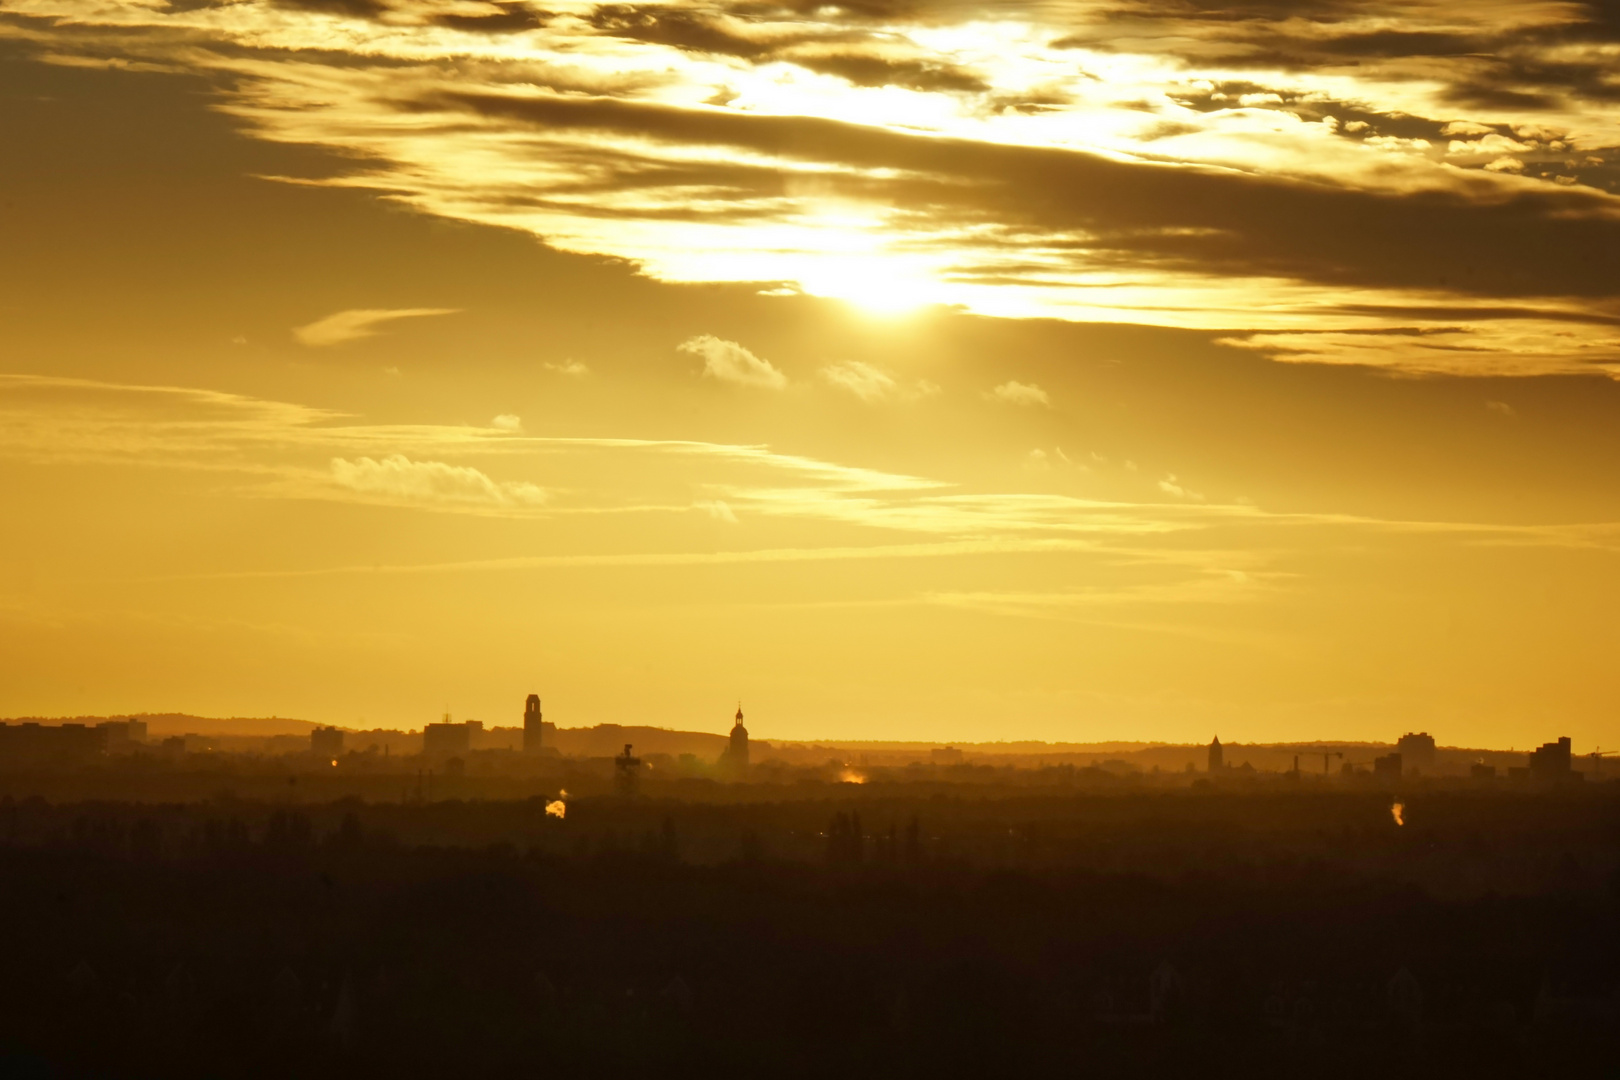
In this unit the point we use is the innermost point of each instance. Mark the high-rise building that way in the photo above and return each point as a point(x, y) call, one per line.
point(122, 734)
point(1217, 756)
point(532, 726)
point(1416, 750)
point(446, 738)
point(326, 742)
point(33, 743)
point(1551, 761)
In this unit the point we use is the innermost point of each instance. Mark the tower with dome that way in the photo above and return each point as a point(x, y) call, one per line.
point(736, 757)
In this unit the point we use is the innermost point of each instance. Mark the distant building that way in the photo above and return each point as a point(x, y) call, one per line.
point(736, 756)
point(1481, 771)
point(1551, 762)
point(57, 744)
point(326, 742)
point(1416, 750)
point(533, 726)
point(1217, 756)
point(945, 755)
point(1388, 766)
point(120, 734)
point(448, 738)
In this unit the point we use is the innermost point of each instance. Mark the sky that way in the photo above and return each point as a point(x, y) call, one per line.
point(1075, 371)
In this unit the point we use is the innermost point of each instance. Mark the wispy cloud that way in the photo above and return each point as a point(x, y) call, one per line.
point(357, 323)
point(717, 509)
point(572, 368)
point(729, 362)
point(1212, 585)
point(866, 382)
point(872, 384)
point(282, 450)
point(507, 422)
point(1017, 393)
point(431, 483)
point(1171, 486)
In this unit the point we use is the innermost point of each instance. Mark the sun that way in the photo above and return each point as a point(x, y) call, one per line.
point(874, 285)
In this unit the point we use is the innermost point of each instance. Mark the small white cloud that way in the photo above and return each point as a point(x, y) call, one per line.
point(873, 384)
point(398, 477)
point(394, 371)
point(1505, 164)
point(730, 362)
point(1042, 460)
point(1502, 408)
point(866, 382)
point(1017, 393)
point(570, 367)
point(357, 323)
point(507, 422)
point(1489, 144)
point(717, 510)
point(1170, 486)
point(239, 339)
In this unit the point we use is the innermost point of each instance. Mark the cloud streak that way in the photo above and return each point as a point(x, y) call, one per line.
point(356, 324)
point(1017, 393)
point(431, 483)
point(278, 450)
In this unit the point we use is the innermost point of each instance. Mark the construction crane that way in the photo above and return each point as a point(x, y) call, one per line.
point(1597, 756)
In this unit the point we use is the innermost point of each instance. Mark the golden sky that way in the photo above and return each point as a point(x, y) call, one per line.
point(1073, 371)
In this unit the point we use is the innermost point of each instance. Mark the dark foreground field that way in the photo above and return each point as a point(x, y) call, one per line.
point(870, 934)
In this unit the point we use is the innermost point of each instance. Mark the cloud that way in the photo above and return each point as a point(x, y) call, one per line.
point(717, 509)
point(507, 422)
point(570, 367)
point(1170, 486)
point(730, 362)
point(866, 382)
point(397, 477)
point(1227, 179)
point(1501, 408)
point(1017, 393)
point(873, 384)
point(357, 323)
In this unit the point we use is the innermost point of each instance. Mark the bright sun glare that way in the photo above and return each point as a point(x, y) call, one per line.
point(874, 287)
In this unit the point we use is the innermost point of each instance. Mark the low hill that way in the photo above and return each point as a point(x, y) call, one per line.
point(166, 724)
